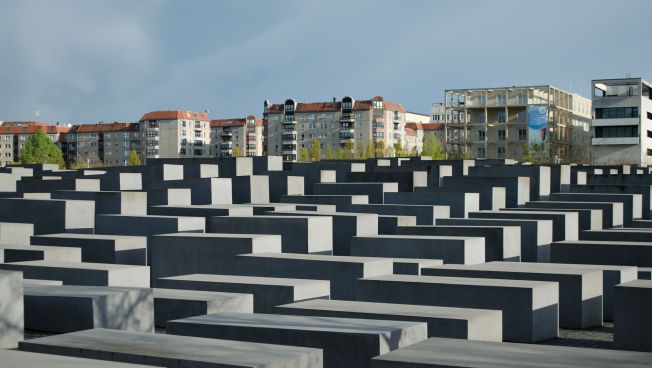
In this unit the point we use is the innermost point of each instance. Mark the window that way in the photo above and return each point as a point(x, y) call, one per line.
point(482, 135)
point(500, 152)
point(500, 100)
point(616, 112)
point(649, 115)
point(482, 100)
point(481, 118)
point(198, 152)
point(501, 116)
point(522, 116)
point(616, 131)
point(501, 135)
point(521, 98)
point(183, 123)
point(522, 134)
point(480, 153)
point(182, 151)
point(378, 104)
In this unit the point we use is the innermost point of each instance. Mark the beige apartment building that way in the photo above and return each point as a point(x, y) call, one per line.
point(175, 134)
point(244, 135)
point(101, 144)
point(13, 135)
point(502, 122)
point(293, 125)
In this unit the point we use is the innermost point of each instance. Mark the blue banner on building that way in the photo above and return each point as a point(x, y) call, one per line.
point(537, 123)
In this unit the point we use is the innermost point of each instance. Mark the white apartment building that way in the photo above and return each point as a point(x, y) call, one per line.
point(175, 134)
point(621, 128)
point(232, 135)
point(293, 125)
point(501, 122)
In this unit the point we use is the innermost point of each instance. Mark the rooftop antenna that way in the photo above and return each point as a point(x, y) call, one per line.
point(37, 114)
point(629, 75)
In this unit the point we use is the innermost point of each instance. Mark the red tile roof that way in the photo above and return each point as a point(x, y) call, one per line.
point(234, 122)
point(101, 128)
point(174, 115)
point(32, 129)
point(433, 126)
point(410, 132)
point(416, 126)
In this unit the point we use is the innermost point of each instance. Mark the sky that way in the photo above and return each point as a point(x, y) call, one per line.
point(81, 61)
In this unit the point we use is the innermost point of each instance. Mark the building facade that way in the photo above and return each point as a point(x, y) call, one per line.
point(101, 144)
point(14, 134)
point(243, 135)
point(175, 134)
point(621, 128)
point(503, 122)
point(293, 125)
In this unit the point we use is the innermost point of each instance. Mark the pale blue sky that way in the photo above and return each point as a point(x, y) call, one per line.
point(86, 61)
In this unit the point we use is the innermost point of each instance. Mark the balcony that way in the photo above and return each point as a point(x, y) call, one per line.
point(226, 133)
point(347, 118)
point(347, 135)
point(614, 141)
point(289, 136)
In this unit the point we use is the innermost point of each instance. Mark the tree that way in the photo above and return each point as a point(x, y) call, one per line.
point(303, 155)
point(39, 149)
point(315, 150)
point(398, 149)
point(535, 153)
point(371, 152)
point(360, 150)
point(340, 154)
point(432, 147)
point(237, 152)
point(328, 152)
point(380, 149)
point(134, 159)
point(348, 149)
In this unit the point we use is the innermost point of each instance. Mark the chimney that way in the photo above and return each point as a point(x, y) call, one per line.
point(334, 99)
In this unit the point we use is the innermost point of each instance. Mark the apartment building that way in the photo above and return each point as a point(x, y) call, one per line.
point(502, 122)
point(293, 125)
point(244, 135)
point(621, 127)
point(175, 134)
point(101, 144)
point(13, 135)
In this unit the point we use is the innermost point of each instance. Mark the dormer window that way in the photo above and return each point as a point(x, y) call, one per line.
point(378, 104)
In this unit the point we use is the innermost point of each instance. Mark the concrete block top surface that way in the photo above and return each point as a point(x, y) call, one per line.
point(420, 237)
point(322, 258)
point(251, 280)
point(518, 267)
point(121, 242)
point(196, 294)
point(179, 348)
point(441, 352)
point(606, 243)
point(75, 265)
point(638, 284)
point(13, 358)
point(305, 323)
point(390, 308)
point(576, 266)
point(27, 282)
point(75, 291)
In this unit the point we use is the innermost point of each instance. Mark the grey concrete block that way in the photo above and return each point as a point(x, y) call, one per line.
point(169, 197)
point(268, 291)
point(172, 351)
point(341, 271)
point(98, 248)
point(632, 323)
point(49, 216)
point(460, 203)
point(615, 252)
point(374, 191)
point(202, 210)
point(170, 304)
point(459, 323)
point(14, 358)
point(340, 201)
point(612, 212)
point(76, 273)
point(189, 253)
point(587, 218)
point(580, 290)
point(120, 203)
point(11, 309)
point(15, 233)
point(564, 224)
point(450, 249)
point(345, 342)
point(345, 226)
point(67, 308)
point(425, 214)
point(20, 253)
point(299, 234)
point(440, 352)
point(530, 308)
point(501, 243)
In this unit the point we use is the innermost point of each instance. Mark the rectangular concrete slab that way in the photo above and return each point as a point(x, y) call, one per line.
point(67, 308)
point(530, 308)
point(82, 273)
point(11, 309)
point(268, 291)
point(14, 358)
point(632, 322)
point(20, 253)
point(460, 323)
point(99, 248)
point(450, 249)
point(173, 351)
point(172, 304)
point(345, 342)
point(439, 352)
